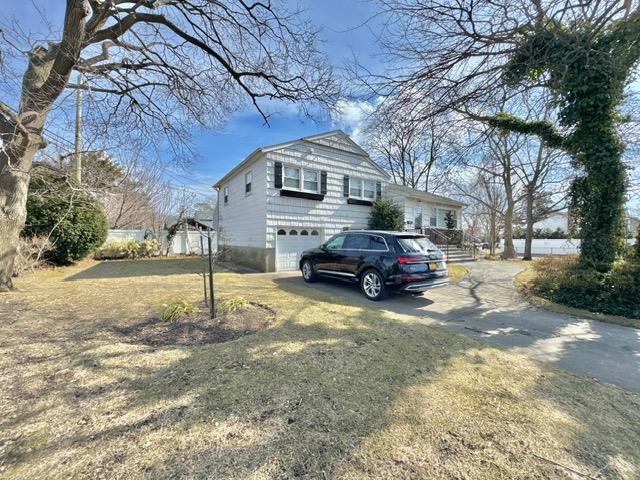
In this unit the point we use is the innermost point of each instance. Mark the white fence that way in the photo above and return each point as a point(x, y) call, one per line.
point(554, 246)
point(183, 243)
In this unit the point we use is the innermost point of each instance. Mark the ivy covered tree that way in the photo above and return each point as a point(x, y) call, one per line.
point(583, 53)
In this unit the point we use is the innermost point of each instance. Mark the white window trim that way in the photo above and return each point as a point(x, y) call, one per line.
point(440, 223)
point(249, 172)
point(362, 195)
point(225, 195)
point(301, 170)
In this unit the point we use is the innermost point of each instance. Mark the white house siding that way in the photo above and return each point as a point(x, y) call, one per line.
point(241, 222)
point(333, 214)
point(428, 209)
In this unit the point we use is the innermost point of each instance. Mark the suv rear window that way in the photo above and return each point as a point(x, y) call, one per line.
point(416, 244)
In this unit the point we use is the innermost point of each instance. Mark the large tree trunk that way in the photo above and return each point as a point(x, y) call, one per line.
point(529, 233)
point(44, 80)
point(493, 233)
point(509, 250)
point(601, 193)
point(14, 186)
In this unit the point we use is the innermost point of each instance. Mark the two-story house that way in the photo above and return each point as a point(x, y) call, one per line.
point(286, 198)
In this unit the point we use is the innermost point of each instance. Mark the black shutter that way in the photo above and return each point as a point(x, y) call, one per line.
point(345, 186)
point(378, 190)
point(323, 182)
point(277, 174)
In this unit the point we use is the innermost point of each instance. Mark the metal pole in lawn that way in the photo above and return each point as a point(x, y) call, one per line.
point(212, 308)
point(204, 267)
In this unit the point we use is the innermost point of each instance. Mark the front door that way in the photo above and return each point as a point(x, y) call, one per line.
point(417, 220)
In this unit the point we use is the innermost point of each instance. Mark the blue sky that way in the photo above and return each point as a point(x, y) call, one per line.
point(218, 151)
point(246, 131)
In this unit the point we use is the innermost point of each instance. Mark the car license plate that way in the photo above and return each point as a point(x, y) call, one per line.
point(433, 266)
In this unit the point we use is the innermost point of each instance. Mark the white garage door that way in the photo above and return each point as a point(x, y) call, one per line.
point(290, 244)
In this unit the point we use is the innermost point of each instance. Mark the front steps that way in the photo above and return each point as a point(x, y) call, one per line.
point(457, 254)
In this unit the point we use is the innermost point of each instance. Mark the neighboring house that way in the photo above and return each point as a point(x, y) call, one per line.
point(561, 220)
point(286, 198)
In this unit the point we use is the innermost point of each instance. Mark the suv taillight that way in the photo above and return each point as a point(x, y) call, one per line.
point(405, 260)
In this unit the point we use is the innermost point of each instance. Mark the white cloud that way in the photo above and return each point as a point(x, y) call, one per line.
point(351, 116)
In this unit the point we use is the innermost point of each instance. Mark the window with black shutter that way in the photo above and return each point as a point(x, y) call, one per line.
point(345, 186)
point(277, 174)
point(323, 182)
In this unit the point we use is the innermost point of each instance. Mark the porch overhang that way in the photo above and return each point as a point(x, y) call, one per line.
point(426, 197)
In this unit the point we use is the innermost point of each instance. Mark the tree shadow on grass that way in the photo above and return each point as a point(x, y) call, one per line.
point(306, 398)
point(139, 268)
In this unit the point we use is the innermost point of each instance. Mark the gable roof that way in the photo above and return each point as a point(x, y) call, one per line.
point(334, 139)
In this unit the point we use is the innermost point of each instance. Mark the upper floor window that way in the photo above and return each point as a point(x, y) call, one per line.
point(369, 189)
point(355, 187)
point(364, 189)
point(291, 177)
point(310, 180)
point(301, 179)
point(226, 195)
point(247, 182)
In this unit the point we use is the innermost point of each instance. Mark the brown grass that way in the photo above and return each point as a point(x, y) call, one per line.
point(457, 272)
point(331, 390)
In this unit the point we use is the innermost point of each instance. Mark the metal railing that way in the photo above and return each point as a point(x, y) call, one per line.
point(468, 239)
point(461, 238)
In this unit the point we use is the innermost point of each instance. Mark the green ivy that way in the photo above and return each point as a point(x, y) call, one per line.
point(587, 72)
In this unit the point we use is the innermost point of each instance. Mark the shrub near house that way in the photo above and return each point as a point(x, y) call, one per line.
point(385, 215)
point(120, 249)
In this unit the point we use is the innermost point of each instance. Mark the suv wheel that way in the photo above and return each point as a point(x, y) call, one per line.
point(308, 272)
point(372, 285)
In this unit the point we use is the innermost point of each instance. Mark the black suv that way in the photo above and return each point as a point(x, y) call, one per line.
point(382, 262)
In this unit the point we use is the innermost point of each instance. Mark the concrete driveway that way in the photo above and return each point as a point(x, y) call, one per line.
point(487, 307)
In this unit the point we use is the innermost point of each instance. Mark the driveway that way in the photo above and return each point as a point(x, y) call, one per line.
point(487, 307)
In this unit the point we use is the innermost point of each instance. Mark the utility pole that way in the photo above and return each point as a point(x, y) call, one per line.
point(77, 171)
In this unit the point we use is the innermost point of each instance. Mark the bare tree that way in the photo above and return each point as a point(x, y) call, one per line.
point(485, 193)
point(417, 153)
point(545, 176)
point(453, 54)
point(502, 149)
point(159, 67)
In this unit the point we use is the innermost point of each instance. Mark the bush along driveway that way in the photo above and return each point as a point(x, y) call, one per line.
point(332, 389)
point(486, 306)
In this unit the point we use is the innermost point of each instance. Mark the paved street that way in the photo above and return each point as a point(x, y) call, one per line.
point(487, 307)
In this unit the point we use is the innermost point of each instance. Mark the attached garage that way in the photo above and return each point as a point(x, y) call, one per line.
point(291, 242)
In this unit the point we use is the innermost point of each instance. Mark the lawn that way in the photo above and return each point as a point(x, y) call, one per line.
point(331, 390)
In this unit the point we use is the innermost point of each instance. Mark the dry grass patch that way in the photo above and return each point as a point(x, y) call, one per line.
point(330, 390)
point(457, 272)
